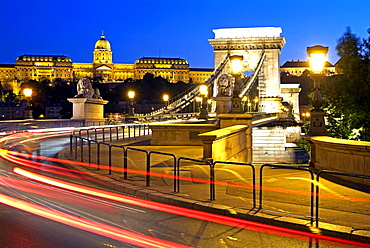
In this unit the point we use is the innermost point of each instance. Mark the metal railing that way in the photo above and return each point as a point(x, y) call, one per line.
point(77, 141)
point(291, 168)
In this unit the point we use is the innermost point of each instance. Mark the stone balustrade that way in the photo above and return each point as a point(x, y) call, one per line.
point(341, 155)
point(226, 144)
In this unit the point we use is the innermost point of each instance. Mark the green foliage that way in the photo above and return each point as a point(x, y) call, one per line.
point(347, 96)
point(10, 97)
point(303, 143)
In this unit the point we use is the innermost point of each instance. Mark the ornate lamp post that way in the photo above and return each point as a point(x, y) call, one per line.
point(203, 90)
point(165, 99)
point(236, 70)
point(131, 96)
point(27, 92)
point(317, 58)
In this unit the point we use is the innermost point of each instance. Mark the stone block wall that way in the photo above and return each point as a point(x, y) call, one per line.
point(179, 134)
point(226, 144)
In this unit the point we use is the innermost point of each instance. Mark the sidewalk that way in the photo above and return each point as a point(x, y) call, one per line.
point(230, 201)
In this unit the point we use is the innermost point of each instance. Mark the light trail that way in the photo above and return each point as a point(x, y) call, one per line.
point(87, 225)
point(224, 220)
point(57, 169)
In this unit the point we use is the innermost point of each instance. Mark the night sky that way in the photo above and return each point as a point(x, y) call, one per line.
point(169, 28)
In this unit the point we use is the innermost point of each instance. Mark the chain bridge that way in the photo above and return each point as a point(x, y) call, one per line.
point(260, 87)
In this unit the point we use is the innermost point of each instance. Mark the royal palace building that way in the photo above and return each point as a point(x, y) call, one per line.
point(51, 67)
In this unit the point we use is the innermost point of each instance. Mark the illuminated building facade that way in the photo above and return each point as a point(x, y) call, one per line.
point(296, 68)
point(51, 67)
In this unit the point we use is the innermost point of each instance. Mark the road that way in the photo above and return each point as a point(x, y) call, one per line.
point(85, 214)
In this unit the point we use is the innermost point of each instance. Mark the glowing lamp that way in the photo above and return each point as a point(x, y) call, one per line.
point(203, 89)
point(131, 94)
point(27, 92)
point(236, 64)
point(317, 57)
point(165, 97)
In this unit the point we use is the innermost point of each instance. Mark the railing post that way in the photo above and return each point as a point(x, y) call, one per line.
point(212, 181)
point(82, 149)
point(103, 134)
point(98, 155)
point(110, 159)
point(110, 134)
point(76, 147)
point(147, 169)
point(125, 164)
point(70, 144)
point(89, 144)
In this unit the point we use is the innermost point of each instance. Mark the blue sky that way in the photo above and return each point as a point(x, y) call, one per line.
point(170, 28)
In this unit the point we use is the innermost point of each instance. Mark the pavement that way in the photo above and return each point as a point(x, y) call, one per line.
point(282, 209)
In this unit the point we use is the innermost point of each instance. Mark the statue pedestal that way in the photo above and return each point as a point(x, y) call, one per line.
point(89, 109)
point(223, 104)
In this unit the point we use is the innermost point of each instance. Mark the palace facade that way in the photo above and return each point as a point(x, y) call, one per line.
point(51, 67)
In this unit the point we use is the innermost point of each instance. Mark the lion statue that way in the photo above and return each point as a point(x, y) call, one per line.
point(84, 88)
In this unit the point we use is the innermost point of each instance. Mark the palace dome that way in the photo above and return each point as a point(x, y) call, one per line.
point(102, 44)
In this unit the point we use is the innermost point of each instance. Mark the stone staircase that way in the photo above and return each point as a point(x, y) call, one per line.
point(270, 146)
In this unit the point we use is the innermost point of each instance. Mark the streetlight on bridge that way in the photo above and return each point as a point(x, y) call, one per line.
point(236, 70)
point(165, 99)
point(131, 96)
point(317, 58)
point(27, 92)
point(203, 90)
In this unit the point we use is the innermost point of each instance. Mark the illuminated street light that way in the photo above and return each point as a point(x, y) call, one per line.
point(256, 100)
point(236, 70)
point(27, 92)
point(165, 99)
point(317, 58)
point(244, 101)
point(131, 96)
point(203, 91)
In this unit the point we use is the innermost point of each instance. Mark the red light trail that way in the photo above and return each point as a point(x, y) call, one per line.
point(88, 225)
point(224, 220)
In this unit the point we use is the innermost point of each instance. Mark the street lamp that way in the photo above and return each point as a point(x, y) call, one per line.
point(317, 58)
point(203, 91)
point(236, 70)
point(244, 101)
point(256, 100)
point(131, 96)
point(27, 92)
point(165, 99)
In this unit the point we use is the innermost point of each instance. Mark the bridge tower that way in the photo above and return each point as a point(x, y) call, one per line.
point(252, 43)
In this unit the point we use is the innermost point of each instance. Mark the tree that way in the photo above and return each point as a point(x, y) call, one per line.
point(347, 96)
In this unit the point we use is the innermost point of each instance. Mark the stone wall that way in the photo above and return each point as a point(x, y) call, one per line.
point(179, 134)
point(226, 144)
point(341, 155)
